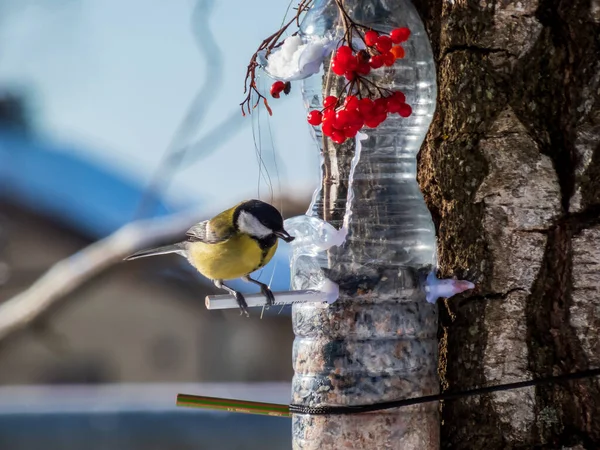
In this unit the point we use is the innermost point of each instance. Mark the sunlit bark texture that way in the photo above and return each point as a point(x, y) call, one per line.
point(511, 172)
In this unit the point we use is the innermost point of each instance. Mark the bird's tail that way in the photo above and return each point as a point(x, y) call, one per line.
point(164, 250)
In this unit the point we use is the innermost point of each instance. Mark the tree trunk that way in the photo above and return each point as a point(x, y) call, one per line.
point(511, 172)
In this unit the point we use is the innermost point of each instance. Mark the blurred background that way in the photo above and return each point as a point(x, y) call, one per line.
point(112, 111)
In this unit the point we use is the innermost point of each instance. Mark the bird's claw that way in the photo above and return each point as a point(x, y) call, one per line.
point(268, 293)
point(264, 289)
point(242, 304)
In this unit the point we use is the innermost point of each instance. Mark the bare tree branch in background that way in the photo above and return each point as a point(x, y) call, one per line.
point(70, 273)
point(197, 110)
point(213, 139)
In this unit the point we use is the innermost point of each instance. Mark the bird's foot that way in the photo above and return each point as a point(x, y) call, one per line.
point(241, 301)
point(268, 293)
point(264, 289)
point(242, 304)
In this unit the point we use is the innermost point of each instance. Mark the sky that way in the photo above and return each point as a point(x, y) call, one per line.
point(114, 78)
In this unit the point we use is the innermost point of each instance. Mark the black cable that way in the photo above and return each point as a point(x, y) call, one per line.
point(356, 409)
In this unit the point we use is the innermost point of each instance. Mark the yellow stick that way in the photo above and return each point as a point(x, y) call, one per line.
point(233, 405)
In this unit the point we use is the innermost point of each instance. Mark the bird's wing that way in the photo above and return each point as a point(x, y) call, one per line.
point(204, 232)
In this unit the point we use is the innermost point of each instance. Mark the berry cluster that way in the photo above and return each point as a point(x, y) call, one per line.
point(343, 122)
point(341, 118)
point(381, 52)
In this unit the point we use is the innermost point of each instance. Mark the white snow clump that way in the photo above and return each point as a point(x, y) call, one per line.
point(296, 59)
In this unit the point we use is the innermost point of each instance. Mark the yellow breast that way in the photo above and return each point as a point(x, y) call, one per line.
point(233, 258)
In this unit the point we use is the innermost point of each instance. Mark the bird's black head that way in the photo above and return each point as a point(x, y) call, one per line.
point(260, 220)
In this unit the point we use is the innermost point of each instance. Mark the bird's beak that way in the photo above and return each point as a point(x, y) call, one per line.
point(284, 235)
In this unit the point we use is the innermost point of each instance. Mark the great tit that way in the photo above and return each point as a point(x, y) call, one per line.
point(231, 245)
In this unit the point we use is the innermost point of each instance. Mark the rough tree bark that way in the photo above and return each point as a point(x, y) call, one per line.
point(511, 172)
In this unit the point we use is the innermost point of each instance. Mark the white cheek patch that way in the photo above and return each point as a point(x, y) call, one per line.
point(249, 224)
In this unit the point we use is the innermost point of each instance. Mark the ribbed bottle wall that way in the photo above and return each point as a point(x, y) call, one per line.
point(378, 341)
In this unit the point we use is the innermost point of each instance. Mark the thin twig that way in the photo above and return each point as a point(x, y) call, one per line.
point(272, 42)
point(268, 44)
point(376, 86)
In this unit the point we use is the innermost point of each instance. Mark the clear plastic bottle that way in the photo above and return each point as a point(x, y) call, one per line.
point(378, 342)
point(405, 236)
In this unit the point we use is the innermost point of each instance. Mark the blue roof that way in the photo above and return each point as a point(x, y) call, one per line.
point(52, 180)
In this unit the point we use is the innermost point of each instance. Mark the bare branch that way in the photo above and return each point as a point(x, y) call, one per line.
point(351, 28)
point(70, 273)
point(199, 107)
point(268, 45)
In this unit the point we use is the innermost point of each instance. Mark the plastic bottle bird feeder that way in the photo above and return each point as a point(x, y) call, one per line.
point(368, 238)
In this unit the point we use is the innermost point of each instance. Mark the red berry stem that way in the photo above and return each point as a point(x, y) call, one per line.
point(273, 41)
point(347, 17)
point(379, 88)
